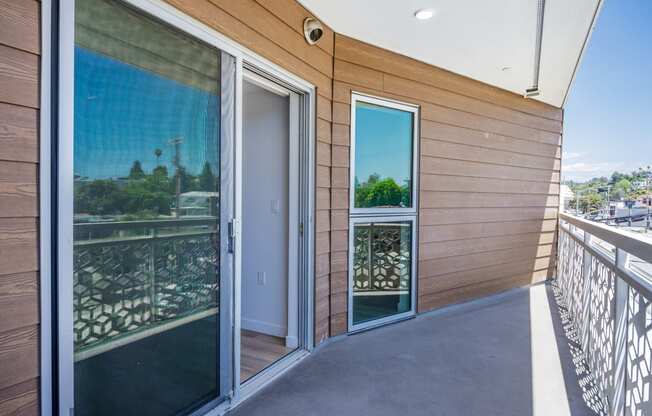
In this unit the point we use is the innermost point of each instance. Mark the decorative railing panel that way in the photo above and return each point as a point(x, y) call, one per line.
point(123, 284)
point(610, 306)
point(639, 354)
point(381, 257)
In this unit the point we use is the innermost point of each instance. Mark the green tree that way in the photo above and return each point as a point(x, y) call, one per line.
point(207, 180)
point(99, 197)
point(382, 193)
point(136, 171)
point(158, 153)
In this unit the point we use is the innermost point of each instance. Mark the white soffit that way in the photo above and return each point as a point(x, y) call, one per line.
point(490, 41)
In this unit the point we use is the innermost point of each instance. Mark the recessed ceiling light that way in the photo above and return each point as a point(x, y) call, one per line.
point(424, 14)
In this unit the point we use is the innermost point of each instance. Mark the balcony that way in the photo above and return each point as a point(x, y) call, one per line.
point(578, 345)
point(503, 355)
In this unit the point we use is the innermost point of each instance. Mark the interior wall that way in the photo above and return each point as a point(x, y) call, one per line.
point(266, 130)
point(489, 173)
point(19, 103)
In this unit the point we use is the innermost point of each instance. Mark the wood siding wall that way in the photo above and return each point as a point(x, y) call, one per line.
point(489, 171)
point(488, 178)
point(19, 103)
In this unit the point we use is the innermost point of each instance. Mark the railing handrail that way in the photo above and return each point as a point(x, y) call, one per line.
point(173, 222)
point(626, 241)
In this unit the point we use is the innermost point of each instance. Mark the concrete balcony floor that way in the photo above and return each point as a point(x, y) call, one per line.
point(502, 355)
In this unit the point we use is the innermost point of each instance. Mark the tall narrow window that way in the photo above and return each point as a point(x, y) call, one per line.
point(146, 215)
point(382, 211)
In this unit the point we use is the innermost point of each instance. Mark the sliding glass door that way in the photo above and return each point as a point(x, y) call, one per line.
point(152, 201)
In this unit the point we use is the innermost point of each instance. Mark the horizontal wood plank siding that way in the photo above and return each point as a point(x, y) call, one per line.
point(489, 177)
point(19, 308)
point(489, 171)
point(274, 30)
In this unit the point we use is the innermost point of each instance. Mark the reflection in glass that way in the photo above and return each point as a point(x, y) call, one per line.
point(383, 157)
point(382, 269)
point(146, 194)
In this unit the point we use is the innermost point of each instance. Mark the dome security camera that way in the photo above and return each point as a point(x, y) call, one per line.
point(312, 30)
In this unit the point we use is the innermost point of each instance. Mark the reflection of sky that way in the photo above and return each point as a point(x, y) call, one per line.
point(383, 143)
point(124, 113)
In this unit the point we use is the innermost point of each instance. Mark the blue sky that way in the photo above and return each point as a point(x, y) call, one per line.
point(383, 143)
point(610, 104)
point(123, 113)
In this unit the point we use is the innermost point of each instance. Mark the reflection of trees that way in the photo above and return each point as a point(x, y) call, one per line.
point(141, 194)
point(377, 192)
point(136, 171)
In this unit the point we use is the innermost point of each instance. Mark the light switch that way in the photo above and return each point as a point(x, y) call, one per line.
point(275, 206)
point(262, 278)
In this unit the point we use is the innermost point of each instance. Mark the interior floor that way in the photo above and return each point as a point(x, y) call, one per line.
point(258, 351)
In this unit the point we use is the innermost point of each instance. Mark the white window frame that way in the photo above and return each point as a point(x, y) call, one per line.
point(397, 105)
point(62, 325)
point(375, 215)
point(413, 275)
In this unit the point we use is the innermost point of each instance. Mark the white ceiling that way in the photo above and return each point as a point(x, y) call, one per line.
point(475, 38)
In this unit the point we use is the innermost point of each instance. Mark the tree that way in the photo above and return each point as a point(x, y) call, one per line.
point(379, 193)
point(589, 203)
point(158, 153)
point(99, 197)
point(207, 180)
point(622, 188)
point(136, 171)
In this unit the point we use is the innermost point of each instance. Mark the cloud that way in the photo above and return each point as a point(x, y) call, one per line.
point(571, 155)
point(588, 170)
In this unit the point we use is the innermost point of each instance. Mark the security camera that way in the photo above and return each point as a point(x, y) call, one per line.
point(312, 30)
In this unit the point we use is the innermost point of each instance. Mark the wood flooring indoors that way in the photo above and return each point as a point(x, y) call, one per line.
point(259, 351)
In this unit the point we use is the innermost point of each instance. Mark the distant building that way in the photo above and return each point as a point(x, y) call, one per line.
point(199, 203)
point(565, 197)
point(645, 200)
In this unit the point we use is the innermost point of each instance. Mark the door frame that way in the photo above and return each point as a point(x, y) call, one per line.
point(294, 101)
point(56, 244)
point(298, 101)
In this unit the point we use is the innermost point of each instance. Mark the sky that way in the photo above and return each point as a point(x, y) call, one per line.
point(609, 109)
point(124, 113)
point(383, 143)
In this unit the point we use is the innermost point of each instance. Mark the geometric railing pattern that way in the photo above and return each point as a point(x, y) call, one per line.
point(611, 311)
point(125, 284)
point(381, 259)
point(639, 354)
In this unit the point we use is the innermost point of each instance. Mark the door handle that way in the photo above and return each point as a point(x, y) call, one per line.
point(233, 232)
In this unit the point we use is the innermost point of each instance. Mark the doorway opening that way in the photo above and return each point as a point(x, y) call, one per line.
point(270, 224)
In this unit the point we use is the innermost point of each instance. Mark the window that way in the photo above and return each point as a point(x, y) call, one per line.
point(383, 206)
point(383, 163)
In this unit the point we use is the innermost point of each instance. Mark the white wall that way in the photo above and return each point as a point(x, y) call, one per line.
point(265, 211)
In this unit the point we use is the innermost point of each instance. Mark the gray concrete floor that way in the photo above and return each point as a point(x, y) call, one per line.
point(502, 355)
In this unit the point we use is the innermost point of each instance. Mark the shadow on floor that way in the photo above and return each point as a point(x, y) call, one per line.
point(470, 359)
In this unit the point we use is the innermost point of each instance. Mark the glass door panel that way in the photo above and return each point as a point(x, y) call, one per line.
point(148, 243)
point(382, 270)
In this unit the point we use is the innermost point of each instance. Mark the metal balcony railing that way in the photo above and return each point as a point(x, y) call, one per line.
point(605, 278)
point(381, 258)
point(134, 276)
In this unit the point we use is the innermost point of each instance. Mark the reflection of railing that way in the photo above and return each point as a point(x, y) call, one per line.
point(604, 278)
point(133, 276)
point(381, 257)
